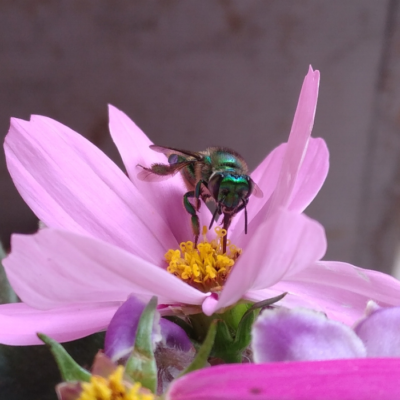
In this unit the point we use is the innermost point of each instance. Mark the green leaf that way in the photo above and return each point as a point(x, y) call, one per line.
point(141, 365)
point(202, 355)
point(69, 369)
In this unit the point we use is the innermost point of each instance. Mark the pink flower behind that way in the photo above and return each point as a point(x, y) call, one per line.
point(312, 380)
point(107, 234)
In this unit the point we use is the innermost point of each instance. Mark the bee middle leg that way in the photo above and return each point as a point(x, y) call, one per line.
point(193, 212)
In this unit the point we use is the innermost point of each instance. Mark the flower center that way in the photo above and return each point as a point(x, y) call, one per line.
point(113, 388)
point(205, 267)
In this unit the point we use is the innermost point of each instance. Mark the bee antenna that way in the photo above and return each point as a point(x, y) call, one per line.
point(245, 217)
point(214, 217)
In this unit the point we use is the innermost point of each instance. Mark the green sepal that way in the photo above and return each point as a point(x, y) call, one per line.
point(225, 346)
point(141, 365)
point(234, 315)
point(230, 348)
point(69, 369)
point(204, 351)
point(234, 337)
point(243, 333)
point(266, 303)
point(7, 294)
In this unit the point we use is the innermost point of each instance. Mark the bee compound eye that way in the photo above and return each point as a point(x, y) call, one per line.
point(173, 159)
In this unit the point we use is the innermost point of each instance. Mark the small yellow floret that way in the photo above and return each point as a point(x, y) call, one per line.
point(204, 267)
point(113, 388)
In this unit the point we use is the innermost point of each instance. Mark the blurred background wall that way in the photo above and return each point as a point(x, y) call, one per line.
point(221, 72)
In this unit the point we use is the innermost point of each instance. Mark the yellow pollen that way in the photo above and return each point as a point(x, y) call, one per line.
point(114, 388)
point(204, 267)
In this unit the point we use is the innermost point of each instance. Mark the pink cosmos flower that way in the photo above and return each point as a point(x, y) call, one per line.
point(107, 232)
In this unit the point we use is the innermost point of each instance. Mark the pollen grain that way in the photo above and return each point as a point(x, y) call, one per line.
point(113, 388)
point(205, 267)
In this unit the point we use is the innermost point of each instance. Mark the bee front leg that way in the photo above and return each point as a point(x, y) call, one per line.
point(197, 193)
point(192, 211)
point(225, 225)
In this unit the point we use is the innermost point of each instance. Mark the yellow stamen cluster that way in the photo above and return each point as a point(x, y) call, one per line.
point(113, 388)
point(204, 267)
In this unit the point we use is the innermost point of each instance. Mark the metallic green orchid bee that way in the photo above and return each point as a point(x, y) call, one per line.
point(217, 174)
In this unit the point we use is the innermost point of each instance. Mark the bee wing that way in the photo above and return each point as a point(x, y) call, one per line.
point(257, 192)
point(160, 172)
point(170, 150)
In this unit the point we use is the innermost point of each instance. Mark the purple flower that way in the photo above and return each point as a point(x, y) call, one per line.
point(302, 335)
point(380, 332)
point(281, 334)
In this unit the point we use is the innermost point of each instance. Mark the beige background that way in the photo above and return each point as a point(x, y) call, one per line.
point(199, 73)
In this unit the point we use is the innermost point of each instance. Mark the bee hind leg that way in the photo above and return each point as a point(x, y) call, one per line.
point(192, 211)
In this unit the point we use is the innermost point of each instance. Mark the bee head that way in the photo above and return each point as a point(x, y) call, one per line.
point(230, 190)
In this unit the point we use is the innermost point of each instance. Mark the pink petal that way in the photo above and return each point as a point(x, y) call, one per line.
point(71, 184)
point(132, 142)
point(285, 242)
point(340, 290)
point(55, 268)
point(281, 334)
point(309, 181)
point(166, 196)
point(311, 175)
point(352, 379)
point(20, 323)
point(298, 142)
point(380, 332)
point(293, 173)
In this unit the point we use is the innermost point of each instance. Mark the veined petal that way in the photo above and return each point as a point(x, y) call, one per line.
point(165, 196)
point(132, 143)
point(297, 143)
point(380, 332)
point(339, 289)
point(54, 268)
point(20, 323)
point(287, 241)
point(298, 173)
point(311, 176)
point(71, 184)
point(376, 379)
point(302, 335)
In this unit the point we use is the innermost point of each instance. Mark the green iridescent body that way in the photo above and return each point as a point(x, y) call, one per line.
point(217, 174)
